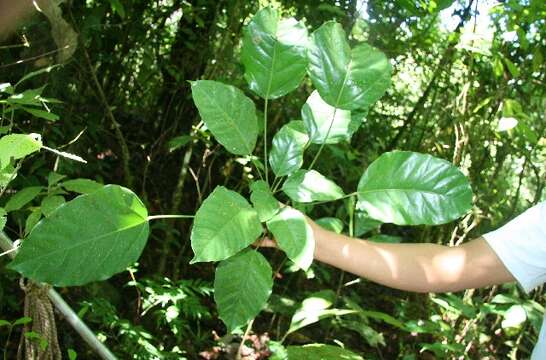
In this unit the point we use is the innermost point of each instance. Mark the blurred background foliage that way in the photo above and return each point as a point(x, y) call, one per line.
point(468, 86)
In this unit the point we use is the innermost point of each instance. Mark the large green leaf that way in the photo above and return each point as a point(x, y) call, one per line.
point(287, 149)
point(309, 185)
point(88, 239)
point(408, 188)
point(22, 197)
point(228, 113)
point(294, 236)
point(346, 78)
point(224, 224)
point(17, 146)
point(325, 124)
point(320, 352)
point(263, 200)
point(274, 53)
point(242, 286)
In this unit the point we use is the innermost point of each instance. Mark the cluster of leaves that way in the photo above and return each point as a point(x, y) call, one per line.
point(434, 106)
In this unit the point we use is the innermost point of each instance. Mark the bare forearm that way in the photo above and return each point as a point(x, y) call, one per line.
point(413, 267)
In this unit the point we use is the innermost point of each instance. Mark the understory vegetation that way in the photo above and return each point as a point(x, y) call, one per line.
point(145, 146)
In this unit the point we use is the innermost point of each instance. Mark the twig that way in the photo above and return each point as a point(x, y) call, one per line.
point(240, 350)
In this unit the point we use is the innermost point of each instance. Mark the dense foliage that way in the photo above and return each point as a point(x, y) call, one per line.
point(172, 100)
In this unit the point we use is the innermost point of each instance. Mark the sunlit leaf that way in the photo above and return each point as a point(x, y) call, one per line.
point(330, 223)
point(346, 78)
point(507, 123)
point(287, 149)
point(224, 225)
point(263, 200)
point(88, 239)
point(274, 53)
point(315, 308)
point(294, 236)
point(324, 123)
point(408, 188)
point(309, 185)
point(242, 286)
point(228, 113)
point(17, 146)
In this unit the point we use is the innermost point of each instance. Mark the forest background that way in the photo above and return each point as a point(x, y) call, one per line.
point(468, 86)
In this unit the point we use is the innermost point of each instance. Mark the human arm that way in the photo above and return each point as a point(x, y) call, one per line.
point(412, 267)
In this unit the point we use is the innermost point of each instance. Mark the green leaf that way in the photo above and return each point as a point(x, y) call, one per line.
point(22, 197)
point(294, 236)
point(263, 200)
point(7, 174)
point(309, 185)
point(32, 220)
point(325, 124)
point(346, 78)
point(384, 238)
point(51, 203)
point(274, 53)
point(242, 286)
point(287, 149)
point(22, 321)
point(224, 225)
point(48, 115)
point(365, 224)
point(89, 239)
point(3, 218)
point(228, 113)
point(82, 186)
point(332, 224)
point(17, 146)
point(408, 188)
point(320, 352)
point(4, 323)
point(72, 355)
point(315, 308)
point(178, 142)
point(53, 178)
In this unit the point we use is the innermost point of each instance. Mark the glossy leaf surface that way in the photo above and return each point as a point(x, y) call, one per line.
point(325, 124)
point(346, 78)
point(242, 286)
point(263, 200)
point(89, 239)
point(294, 236)
point(228, 113)
point(224, 225)
point(331, 223)
point(287, 149)
point(309, 185)
point(408, 188)
point(17, 146)
point(274, 53)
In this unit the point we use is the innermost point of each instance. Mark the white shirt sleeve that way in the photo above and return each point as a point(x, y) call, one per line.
point(521, 246)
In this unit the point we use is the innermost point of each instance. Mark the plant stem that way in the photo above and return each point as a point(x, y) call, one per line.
point(265, 142)
point(155, 217)
point(324, 141)
point(327, 201)
point(240, 350)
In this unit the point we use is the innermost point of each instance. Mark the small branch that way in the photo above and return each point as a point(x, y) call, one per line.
point(240, 350)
